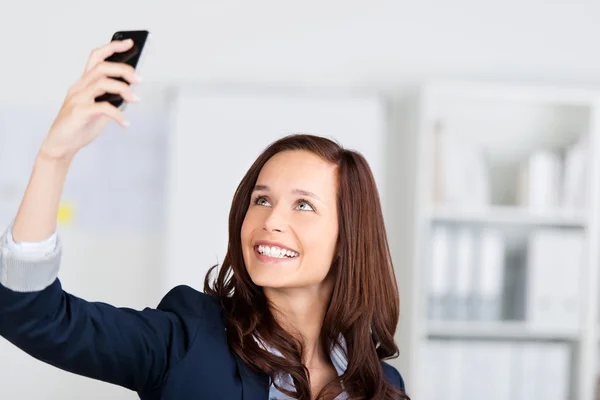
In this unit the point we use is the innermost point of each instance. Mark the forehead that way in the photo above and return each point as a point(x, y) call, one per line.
point(299, 169)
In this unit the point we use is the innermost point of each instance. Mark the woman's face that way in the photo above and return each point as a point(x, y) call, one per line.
point(290, 230)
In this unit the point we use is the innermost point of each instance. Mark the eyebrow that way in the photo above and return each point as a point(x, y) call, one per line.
point(294, 191)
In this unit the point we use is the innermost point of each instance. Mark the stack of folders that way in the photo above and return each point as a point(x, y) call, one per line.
point(551, 179)
point(473, 276)
point(475, 370)
point(466, 273)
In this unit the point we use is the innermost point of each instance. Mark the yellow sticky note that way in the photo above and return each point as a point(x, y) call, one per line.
point(65, 213)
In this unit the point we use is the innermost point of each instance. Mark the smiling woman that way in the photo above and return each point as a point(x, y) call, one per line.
point(308, 270)
point(305, 305)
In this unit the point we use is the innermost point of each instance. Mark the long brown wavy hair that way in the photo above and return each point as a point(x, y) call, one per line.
point(364, 305)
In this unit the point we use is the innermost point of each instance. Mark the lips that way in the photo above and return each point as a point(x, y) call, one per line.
point(269, 252)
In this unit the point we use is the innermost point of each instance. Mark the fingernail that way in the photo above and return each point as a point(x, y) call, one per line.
point(128, 41)
point(136, 97)
point(126, 124)
point(138, 78)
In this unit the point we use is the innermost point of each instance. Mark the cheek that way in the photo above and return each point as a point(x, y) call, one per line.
point(245, 233)
point(248, 227)
point(319, 240)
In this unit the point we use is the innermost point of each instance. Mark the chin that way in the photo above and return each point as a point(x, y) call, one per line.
point(266, 276)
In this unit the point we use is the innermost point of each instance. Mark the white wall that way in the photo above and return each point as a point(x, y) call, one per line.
point(387, 45)
point(380, 43)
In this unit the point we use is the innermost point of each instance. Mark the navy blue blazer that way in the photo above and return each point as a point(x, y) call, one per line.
point(177, 351)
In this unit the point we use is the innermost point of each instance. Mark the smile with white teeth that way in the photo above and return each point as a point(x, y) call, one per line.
point(276, 252)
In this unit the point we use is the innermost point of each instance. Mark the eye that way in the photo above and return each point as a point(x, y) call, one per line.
point(260, 201)
point(306, 205)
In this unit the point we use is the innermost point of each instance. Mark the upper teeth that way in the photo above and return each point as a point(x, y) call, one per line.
point(276, 252)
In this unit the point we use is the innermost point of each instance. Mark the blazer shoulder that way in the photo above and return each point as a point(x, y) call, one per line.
point(187, 302)
point(393, 376)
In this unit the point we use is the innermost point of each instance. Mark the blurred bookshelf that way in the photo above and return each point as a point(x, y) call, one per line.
point(502, 247)
point(511, 216)
point(496, 331)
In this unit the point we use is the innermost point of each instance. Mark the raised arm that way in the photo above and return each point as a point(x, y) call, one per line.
point(126, 347)
point(79, 122)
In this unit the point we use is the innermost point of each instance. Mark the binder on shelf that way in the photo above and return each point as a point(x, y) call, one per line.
point(515, 284)
point(576, 169)
point(539, 181)
point(554, 273)
point(439, 290)
point(490, 276)
point(462, 293)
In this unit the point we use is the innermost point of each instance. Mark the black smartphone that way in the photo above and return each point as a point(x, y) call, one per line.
point(133, 57)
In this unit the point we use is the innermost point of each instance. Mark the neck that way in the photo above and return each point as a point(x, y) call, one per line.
point(301, 311)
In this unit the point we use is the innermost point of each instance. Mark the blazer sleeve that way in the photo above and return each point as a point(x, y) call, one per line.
point(126, 347)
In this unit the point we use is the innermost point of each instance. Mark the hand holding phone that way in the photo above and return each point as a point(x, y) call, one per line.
point(133, 57)
point(96, 98)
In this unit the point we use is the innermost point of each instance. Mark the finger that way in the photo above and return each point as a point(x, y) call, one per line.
point(102, 53)
point(109, 69)
point(107, 85)
point(104, 109)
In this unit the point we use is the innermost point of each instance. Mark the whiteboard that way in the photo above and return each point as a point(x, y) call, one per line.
point(114, 185)
point(215, 136)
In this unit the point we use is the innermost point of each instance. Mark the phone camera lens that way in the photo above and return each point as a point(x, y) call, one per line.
point(118, 36)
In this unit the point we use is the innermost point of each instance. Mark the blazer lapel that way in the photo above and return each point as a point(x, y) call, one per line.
point(255, 386)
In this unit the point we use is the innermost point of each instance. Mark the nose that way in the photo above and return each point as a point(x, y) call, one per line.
point(274, 222)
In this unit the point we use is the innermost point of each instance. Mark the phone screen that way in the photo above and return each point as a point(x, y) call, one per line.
point(131, 57)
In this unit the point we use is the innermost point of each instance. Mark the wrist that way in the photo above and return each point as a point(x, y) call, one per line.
point(53, 159)
point(51, 167)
